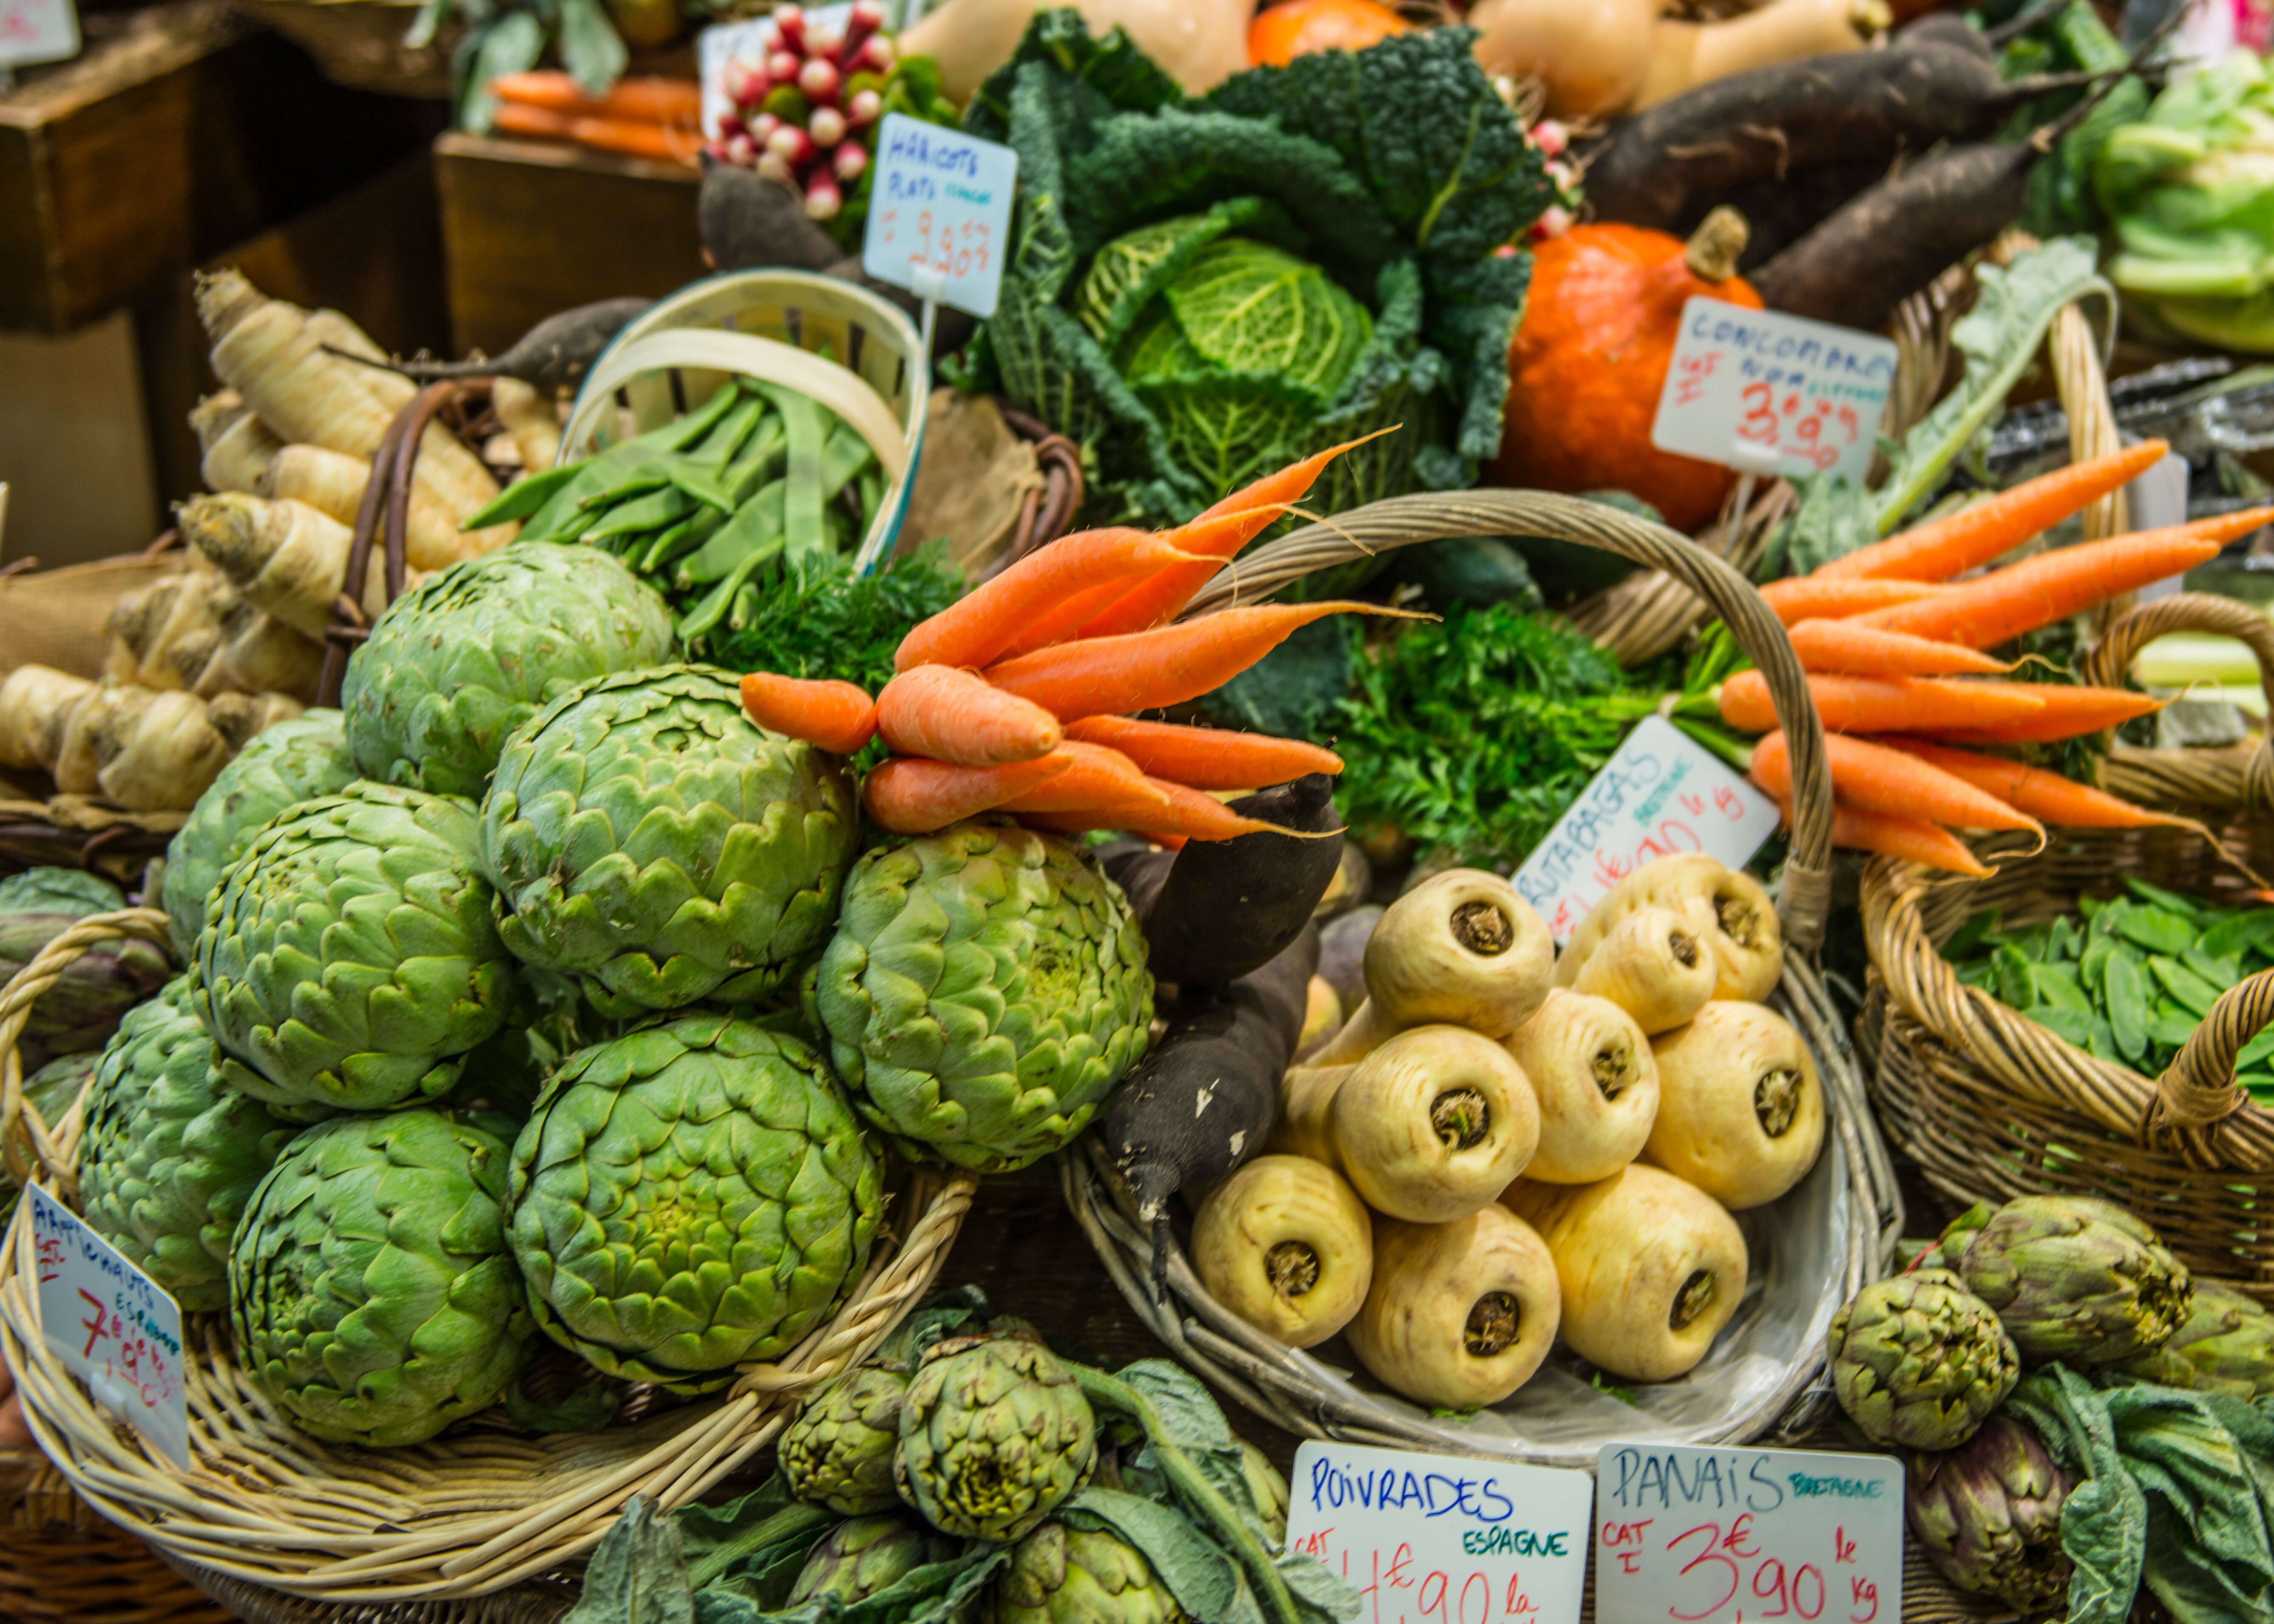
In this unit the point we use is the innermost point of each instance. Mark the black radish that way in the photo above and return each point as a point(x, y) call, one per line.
point(1341, 954)
point(554, 354)
point(748, 223)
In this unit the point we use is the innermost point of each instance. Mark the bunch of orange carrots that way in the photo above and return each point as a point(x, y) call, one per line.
point(1013, 699)
point(1896, 648)
point(657, 118)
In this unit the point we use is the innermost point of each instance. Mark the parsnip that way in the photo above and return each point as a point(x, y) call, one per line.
point(528, 417)
point(239, 716)
point(261, 654)
point(1597, 1085)
point(1740, 1113)
point(35, 701)
point(155, 751)
point(1460, 949)
point(234, 445)
point(1652, 966)
point(336, 330)
point(1729, 912)
point(1428, 1127)
point(1284, 1243)
point(1651, 1268)
point(287, 557)
point(1322, 1016)
point(75, 766)
point(1460, 1314)
point(333, 483)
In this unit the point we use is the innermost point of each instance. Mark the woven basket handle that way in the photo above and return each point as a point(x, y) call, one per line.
point(28, 1148)
point(2192, 612)
point(1804, 899)
point(2198, 1089)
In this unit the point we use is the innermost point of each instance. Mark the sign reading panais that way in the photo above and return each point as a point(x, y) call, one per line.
point(939, 214)
point(1770, 393)
point(1661, 794)
point(1691, 1536)
point(1435, 1539)
point(112, 1327)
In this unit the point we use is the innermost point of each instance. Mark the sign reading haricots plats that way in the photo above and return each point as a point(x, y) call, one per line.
point(939, 214)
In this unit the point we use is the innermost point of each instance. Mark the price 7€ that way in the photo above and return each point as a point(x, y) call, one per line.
point(131, 1356)
point(943, 248)
point(1727, 1574)
point(1789, 422)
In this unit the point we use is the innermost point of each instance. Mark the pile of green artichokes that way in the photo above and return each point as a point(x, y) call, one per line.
point(540, 996)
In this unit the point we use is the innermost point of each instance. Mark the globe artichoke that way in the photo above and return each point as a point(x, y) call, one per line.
point(371, 1292)
point(652, 840)
point(838, 1450)
point(294, 760)
point(985, 989)
point(1065, 1576)
point(350, 958)
point(167, 1157)
point(995, 1433)
point(459, 661)
point(689, 1197)
point(1268, 1486)
point(83, 1008)
point(1919, 1361)
point(2076, 1280)
point(862, 1555)
point(1987, 1513)
point(2227, 1346)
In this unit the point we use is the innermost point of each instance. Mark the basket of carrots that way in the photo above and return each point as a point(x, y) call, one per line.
point(641, 116)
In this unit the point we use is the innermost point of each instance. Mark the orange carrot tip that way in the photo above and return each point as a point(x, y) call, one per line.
point(957, 716)
point(835, 715)
point(1909, 838)
point(1094, 778)
point(908, 795)
point(1871, 778)
point(1206, 757)
point(1884, 705)
point(1850, 648)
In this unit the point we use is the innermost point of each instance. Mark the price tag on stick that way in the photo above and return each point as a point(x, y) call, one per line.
point(112, 1325)
point(1435, 1538)
point(1690, 1535)
point(939, 215)
point(1770, 393)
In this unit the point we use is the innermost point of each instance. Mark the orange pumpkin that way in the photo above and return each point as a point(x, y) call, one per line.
point(1283, 33)
point(1589, 361)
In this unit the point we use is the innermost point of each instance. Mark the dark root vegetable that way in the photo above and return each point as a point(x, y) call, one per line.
point(554, 354)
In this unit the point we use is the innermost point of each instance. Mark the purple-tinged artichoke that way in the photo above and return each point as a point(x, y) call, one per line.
point(1988, 1514)
point(1920, 1361)
point(838, 1450)
point(2077, 1280)
point(864, 1555)
point(2227, 1346)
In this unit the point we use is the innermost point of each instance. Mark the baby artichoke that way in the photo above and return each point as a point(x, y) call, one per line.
point(1988, 1513)
point(862, 1555)
point(167, 1157)
point(649, 839)
point(2074, 1279)
point(1065, 1576)
point(350, 958)
point(1920, 1361)
point(293, 761)
point(460, 660)
point(837, 1450)
point(995, 1433)
point(689, 1197)
point(2227, 1346)
point(372, 1295)
point(985, 989)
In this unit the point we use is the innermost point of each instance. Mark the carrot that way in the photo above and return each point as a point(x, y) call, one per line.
point(1215, 536)
point(1065, 620)
point(955, 716)
point(1884, 704)
point(1142, 671)
point(2069, 711)
point(1976, 534)
point(978, 627)
point(1083, 822)
point(1094, 777)
point(1206, 757)
point(909, 795)
point(1871, 778)
point(835, 715)
point(1852, 649)
point(630, 136)
point(1814, 598)
point(1912, 840)
point(2046, 796)
point(645, 100)
point(1992, 608)
point(1188, 812)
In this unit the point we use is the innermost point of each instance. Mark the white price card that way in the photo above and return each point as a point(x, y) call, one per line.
point(37, 30)
point(1662, 793)
point(1732, 1536)
point(112, 1325)
point(1443, 1539)
point(1770, 394)
point(939, 214)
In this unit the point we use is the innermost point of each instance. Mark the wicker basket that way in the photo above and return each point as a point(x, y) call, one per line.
point(1835, 1232)
point(477, 1510)
point(63, 1564)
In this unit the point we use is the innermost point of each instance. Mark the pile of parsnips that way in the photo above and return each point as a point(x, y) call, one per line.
point(1501, 1148)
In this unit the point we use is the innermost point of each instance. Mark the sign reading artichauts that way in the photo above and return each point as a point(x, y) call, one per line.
point(1430, 1538)
point(1770, 394)
point(1695, 1535)
point(939, 214)
point(112, 1325)
point(1661, 794)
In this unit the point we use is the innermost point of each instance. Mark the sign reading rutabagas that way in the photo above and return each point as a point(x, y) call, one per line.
point(111, 1325)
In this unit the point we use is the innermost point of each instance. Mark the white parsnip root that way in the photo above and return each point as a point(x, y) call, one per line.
point(333, 483)
point(36, 700)
point(236, 446)
point(285, 557)
point(1729, 912)
point(145, 750)
point(1652, 966)
point(1284, 1244)
point(1740, 1112)
point(528, 417)
point(1460, 1314)
point(1591, 1071)
point(194, 631)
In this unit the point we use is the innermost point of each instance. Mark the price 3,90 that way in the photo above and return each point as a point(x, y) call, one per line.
point(1726, 1567)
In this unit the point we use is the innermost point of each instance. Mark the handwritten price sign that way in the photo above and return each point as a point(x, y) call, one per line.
point(1439, 1539)
point(939, 217)
point(37, 30)
point(1662, 793)
point(111, 1324)
point(1770, 393)
point(1688, 1536)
